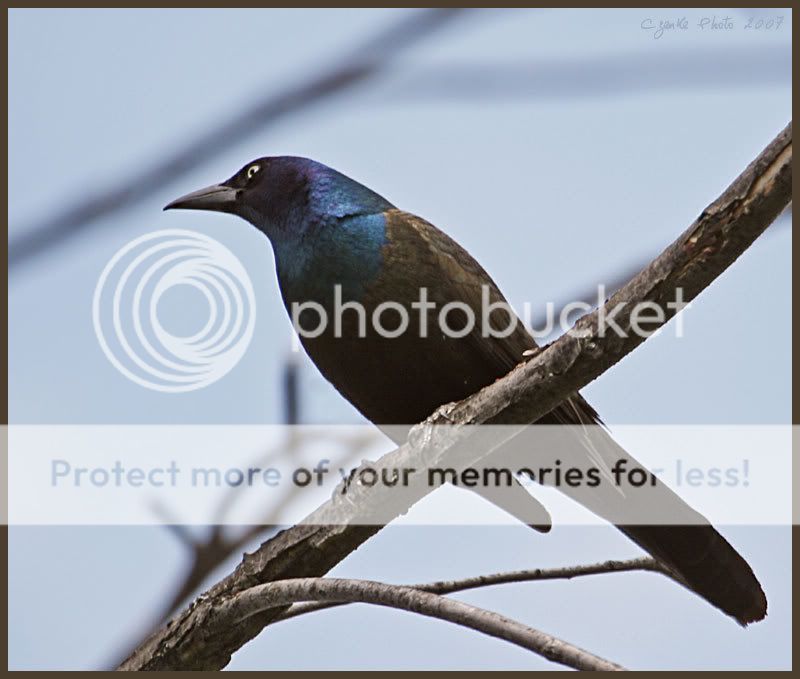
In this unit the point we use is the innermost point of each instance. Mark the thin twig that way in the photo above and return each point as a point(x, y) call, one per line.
point(643, 563)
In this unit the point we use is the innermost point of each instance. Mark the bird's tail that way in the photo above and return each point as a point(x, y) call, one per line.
point(706, 563)
point(654, 517)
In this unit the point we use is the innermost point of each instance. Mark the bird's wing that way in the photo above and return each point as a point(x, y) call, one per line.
point(434, 260)
point(456, 275)
point(452, 274)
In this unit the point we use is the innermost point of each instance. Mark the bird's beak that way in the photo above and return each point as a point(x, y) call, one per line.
point(219, 198)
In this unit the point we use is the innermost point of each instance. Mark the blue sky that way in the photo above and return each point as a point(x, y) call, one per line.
point(554, 191)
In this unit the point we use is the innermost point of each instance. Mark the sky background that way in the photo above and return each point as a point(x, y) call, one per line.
point(559, 147)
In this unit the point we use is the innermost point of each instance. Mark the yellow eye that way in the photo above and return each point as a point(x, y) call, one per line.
point(252, 170)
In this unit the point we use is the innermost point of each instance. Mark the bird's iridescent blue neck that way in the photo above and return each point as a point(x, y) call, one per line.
point(326, 229)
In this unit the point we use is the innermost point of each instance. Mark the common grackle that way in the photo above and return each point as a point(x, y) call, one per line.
point(327, 230)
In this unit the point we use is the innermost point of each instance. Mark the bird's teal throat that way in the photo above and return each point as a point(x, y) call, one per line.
point(346, 252)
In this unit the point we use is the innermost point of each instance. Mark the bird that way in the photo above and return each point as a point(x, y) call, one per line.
point(331, 233)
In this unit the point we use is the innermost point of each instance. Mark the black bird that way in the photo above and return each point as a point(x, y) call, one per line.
point(328, 230)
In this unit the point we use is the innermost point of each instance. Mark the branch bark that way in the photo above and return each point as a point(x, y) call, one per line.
point(722, 232)
point(262, 598)
point(219, 544)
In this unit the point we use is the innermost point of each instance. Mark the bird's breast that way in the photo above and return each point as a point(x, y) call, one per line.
point(384, 352)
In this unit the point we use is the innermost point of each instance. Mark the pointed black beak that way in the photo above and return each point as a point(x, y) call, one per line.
point(219, 198)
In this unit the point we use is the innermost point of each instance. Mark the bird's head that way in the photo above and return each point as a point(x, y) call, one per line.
point(285, 196)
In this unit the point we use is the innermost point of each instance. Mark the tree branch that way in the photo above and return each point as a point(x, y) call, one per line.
point(721, 233)
point(338, 590)
point(643, 563)
point(213, 549)
point(352, 69)
point(609, 75)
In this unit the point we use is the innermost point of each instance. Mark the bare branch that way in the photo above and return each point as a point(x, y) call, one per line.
point(614, 282)
point(721, 233)
point(643, 563)
point(211, 550)
point(603, 76)
point(353, 69)
point(257, 599)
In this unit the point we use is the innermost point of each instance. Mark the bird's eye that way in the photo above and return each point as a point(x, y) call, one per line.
point(251, 171)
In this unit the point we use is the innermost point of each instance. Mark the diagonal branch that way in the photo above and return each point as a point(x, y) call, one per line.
point(355, 68)
point(613, 282)
point(218, 545)
point(340, 590)
point(722, 232)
